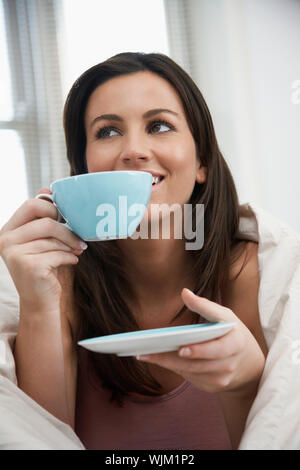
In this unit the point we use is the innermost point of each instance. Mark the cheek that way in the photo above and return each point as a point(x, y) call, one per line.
point(182, 161)
point(181, 157)
point(97, 160)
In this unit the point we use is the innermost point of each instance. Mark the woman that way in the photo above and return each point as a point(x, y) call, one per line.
point(139, 112)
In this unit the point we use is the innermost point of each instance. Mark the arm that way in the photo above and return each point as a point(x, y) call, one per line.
point(45, 353)
point(241, 296)
point(35, 247)
point(236, 406)
point(45, 362)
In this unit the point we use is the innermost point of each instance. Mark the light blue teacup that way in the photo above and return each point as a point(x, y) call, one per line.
point(99, 206)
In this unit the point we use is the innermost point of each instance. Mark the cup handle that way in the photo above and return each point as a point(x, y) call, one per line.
point(50, 198)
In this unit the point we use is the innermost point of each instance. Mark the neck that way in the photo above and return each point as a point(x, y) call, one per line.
point(156, 267)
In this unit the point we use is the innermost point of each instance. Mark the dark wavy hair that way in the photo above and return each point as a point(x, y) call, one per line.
point(101, 286)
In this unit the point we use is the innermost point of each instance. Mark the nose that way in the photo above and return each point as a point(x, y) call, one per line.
point(134, 153)
point(134, 158)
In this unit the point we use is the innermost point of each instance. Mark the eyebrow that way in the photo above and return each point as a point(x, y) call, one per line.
point(115, 117)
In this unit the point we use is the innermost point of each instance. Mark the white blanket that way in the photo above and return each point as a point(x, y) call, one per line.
point(274, 419)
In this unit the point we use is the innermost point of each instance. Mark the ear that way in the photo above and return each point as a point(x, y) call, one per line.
point(201, 174)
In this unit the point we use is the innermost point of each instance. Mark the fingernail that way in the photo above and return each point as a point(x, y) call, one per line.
point(83, 245)
point(184, 352)
point(190, 291)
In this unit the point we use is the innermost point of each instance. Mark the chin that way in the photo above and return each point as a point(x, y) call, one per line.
point(157, 220)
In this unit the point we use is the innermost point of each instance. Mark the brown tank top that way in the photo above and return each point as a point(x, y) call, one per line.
point(185, 418)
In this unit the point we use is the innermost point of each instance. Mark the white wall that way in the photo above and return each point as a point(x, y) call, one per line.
point(245, 58)
point(94, 30)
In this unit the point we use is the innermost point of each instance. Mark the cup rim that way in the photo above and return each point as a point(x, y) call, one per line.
point(97, 173)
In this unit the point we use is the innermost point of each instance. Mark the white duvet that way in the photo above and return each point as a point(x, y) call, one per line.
point(274, 419)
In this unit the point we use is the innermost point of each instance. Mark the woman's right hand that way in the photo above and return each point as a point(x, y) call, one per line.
point(33, 246)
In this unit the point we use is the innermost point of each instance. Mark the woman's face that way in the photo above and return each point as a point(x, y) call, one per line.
point(137, 122)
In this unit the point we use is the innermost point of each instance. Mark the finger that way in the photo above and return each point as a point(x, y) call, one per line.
point(211, 311)
point(39, 229)
point(185, 367)
point(45, 191)
point(209, 368)
point(30, 210)
point(44, 245)
point(58, 258)
point(226, 346)
point(208, 350)
point(168, 360)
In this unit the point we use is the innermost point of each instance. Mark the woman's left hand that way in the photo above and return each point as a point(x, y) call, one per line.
point(233, 362)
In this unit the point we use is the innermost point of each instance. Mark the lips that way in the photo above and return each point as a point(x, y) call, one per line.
point(160, 180)
point(156, 176)
point(156, 179)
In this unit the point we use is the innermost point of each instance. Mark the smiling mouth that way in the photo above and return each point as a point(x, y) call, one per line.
point(156, 179)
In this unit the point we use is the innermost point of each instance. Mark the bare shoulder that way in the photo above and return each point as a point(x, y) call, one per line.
point(240, 293)
point(245, 265)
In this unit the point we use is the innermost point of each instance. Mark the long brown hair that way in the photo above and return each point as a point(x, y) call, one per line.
point(100, 282)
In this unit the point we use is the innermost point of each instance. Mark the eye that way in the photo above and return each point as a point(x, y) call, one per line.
point(106, 132)
point(155, 127)
point(160, 127)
